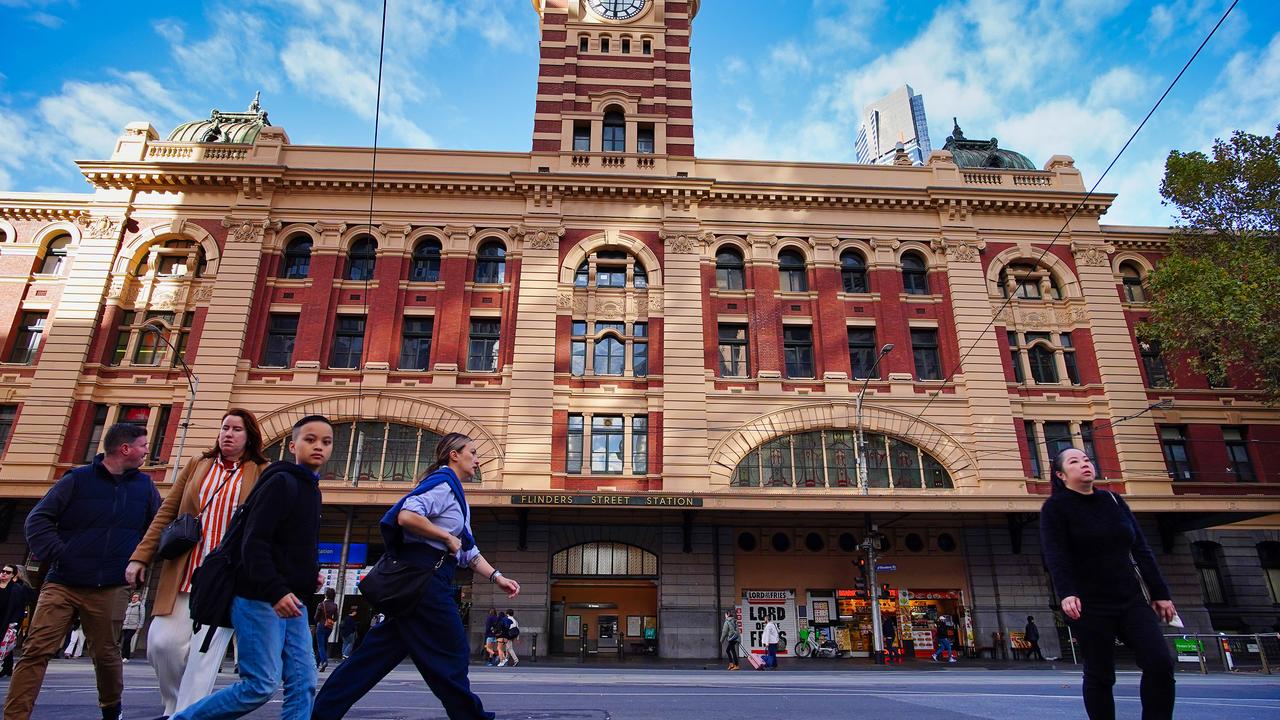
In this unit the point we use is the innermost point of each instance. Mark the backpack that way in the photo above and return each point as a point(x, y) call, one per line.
point(513, 629)
point(213, 585)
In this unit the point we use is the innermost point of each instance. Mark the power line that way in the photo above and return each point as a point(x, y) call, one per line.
point(1045, 250)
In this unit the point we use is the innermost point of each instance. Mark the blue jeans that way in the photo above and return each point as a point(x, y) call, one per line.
point(771, 656)
point(270, 647)
point(322, 644)
point(944, 645)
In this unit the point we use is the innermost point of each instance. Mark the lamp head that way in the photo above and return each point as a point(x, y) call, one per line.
point(888, 347)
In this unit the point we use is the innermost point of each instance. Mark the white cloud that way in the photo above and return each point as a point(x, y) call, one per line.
point(1247, 96)
point(53, 22)
point(1120, 85)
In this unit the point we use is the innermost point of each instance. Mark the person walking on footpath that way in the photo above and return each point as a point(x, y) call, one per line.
point(429, 528)
point(132, 624)
point(211, 487)
point(513, 634)
point(279, 563)
point(943, 631)
point(729, 638)
point(771, 639)
point(491, 637)
point(500, 636)
point(1099, 561)
point(86, 527)
point(1032, 635)
point(347, 631)
point(14, 598)
point(326, 617)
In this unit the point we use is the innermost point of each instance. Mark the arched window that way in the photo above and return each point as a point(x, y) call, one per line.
point(729, 269)
point(361, 259)
point(915, 280)
point(1044, 364)
point(615, 131)
point(374, 452)
point(491, 263)
point(611, 269)
point(1208, 561)
point(610, 355)
point(297, 258)
point(604, 559)
point(1131, 276)
point(55, 256)
point(640, 277)
point(581, 277)
point(853, 272)
point(174, 256)
point(1028, 282)
point(829, 459)
point(791, 272)
point(426, 261)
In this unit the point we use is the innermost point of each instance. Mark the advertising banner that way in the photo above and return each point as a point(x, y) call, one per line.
point(759, 607)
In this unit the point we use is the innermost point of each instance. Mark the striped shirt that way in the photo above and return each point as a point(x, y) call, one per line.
point(219, 495)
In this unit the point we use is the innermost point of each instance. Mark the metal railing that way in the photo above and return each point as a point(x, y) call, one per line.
point(1248, 653)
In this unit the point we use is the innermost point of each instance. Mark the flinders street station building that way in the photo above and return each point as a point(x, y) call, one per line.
point(668, 361)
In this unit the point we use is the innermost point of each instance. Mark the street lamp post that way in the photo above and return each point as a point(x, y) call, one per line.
point(862, 437)
point(193, 386)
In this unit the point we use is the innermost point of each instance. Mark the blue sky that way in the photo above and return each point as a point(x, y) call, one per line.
point(773, 79)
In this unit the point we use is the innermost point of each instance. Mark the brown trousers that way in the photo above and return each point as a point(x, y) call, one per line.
point(101, 612)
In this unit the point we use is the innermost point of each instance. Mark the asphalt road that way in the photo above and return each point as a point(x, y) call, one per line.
point(584, 693)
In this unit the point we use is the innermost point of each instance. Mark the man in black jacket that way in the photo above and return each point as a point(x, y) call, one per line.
point(279, 563)
point(86, 527)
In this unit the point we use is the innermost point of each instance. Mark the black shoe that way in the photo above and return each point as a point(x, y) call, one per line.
point(112, 712)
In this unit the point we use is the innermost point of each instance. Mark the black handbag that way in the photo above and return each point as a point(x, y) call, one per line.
point(179, 536)
point(394, 587)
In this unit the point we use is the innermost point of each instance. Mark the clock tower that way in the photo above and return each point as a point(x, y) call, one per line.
point(614, 85)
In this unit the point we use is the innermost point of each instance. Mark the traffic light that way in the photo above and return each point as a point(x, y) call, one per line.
point(884, 591)
point(860, 578)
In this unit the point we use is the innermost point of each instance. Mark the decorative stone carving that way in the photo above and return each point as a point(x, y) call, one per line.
point(1093, 257)
point(609, 309)
point(682, 243)
point(100, 226)
point(1035, 319)
point(539, 238)
point(167, 298)
point(202, 294)
point(580, 306)
point(564, 300)
point(244, 231)
point(655, 303)
point(963, 252)
point(466, 230)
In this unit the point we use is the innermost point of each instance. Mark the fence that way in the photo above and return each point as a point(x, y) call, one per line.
point(1254, 653)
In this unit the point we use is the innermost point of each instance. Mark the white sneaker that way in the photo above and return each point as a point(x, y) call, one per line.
point(502, 664)
point(952, 660)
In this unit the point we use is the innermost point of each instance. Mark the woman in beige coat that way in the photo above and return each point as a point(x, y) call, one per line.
point(216, 483)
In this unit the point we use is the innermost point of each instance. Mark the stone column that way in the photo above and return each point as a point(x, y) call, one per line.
point(528, 450)
point(684, 385)
point(33, 449)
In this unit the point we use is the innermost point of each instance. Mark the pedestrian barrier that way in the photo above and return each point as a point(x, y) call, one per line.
point(1248, 653)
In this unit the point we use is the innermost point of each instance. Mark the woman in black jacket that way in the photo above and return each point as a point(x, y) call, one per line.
point(1094, 550)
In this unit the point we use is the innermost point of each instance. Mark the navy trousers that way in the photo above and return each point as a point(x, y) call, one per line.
point(432, 636)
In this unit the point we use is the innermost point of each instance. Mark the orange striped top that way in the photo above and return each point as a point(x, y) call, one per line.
point(219, 504)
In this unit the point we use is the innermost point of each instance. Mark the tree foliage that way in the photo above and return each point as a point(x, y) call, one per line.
point(1216, 296)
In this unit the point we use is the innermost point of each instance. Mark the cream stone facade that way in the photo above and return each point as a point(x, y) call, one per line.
point(576, 301)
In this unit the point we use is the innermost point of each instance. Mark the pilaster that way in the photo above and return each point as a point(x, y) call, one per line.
point(684, 388)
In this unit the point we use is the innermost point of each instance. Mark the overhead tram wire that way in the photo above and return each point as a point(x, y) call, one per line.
point(1076, 210)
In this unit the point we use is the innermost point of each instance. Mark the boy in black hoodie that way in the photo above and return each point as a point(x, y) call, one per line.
point(278, 565)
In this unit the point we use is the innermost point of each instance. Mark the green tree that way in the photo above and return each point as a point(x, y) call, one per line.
point(1216, 295)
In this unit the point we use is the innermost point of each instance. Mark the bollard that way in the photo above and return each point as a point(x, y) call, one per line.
point(534, 656)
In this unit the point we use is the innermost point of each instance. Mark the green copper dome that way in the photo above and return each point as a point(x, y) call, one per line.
point(234, 128)
point(983, 153)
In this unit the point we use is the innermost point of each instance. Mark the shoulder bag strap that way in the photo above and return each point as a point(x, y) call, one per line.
point(217, 490)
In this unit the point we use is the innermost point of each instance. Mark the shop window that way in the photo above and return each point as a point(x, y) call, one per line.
point(606, 445)
point(863, 353)
point(348, 342)
point(415, 343)
point(426, 261)
point(604, 559)
point(946, 542)
point(747, 542)
point(847, 542)
point(8, 414)
point(374, 452)
point(914, 542)
point(297, 258)
point(915, 278)
point(282, 330)
point(96, 428)
point(1269, 560)
point(482, 348)
point(924, 350)
point(733, 351)
point(1238, 454)
point(780, 542)
point(573, 448)
point(730, 273)
point(615, 124)
point(792, 276)
point(54, 261)
point(813, 542)
point(491, 263)
point(828, 458)
point(1207, 557)
point(797, 347)
point(1131, 278)
point(1173, 441)
point(361, 259)
point(26, 341)
point(853, 272)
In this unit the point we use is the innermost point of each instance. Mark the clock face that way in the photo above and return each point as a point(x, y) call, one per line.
point(616, 9)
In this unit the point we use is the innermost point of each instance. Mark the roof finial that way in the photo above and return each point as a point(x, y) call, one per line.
point(956, 132)
point(255, 106)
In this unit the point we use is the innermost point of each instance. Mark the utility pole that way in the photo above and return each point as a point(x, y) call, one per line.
point(872, 545)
